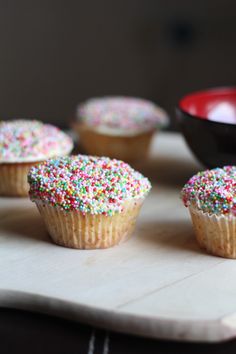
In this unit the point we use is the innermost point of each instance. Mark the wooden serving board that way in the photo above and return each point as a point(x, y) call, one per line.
point(158, 284)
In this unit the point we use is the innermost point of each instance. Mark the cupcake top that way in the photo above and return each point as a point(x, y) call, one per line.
point(121, 115)
point(212, 191)
point(31, 140)
point(96, 185)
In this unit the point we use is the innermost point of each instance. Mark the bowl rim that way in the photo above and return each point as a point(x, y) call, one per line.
point(223, 89)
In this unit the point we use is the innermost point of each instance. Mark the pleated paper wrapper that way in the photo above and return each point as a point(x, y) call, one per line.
point(87, 231)
point(126, 148)
point(13, 178)
point(216, 234)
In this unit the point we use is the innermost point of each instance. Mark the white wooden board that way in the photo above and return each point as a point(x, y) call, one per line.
point(158, 284)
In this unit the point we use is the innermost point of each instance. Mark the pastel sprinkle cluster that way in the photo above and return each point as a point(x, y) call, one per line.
point(122, 113)
point(25, 140)
point(96, 185)
point(212, 191)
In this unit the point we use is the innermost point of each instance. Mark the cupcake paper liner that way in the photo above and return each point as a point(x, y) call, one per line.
point(126, 148)
point(13, 178)
point(216, 234)
point(76, 230)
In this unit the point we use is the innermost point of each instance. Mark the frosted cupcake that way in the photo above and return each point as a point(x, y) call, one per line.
point(24, 143)
point(211, 199)
point(118, 127)
point(88, 202)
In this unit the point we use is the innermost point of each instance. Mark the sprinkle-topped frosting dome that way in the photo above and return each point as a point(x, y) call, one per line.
point(31, 140)
point(121, 114)
point(212, 191)
point(96, 185)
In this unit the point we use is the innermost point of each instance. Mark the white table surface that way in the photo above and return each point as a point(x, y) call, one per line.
point(158, 284)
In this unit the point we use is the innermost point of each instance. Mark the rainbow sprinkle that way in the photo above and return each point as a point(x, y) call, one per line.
point(28, 140)
point(212, 191)
point(96, 185)
point(122, 113)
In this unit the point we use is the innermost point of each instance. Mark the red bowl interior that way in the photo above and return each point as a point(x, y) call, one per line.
point(215, 104)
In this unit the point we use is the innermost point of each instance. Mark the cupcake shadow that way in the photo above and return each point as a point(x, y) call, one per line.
point(169, 236)
point(26, 223)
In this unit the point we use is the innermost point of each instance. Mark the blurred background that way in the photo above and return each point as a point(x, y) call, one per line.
point(55, 54)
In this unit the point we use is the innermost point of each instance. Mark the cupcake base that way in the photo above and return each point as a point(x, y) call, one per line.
point(126, 148)
point(13, 179)
point(216, 234)
point(74, 230)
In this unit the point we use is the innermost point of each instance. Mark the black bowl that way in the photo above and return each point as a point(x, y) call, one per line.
point(208, 122)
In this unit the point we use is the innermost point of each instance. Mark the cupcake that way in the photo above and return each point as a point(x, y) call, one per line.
point(24, 143)
point(118, 127)
point(211, 199)
point(88, 202)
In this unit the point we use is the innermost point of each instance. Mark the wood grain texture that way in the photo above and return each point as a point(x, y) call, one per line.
point(158, 284)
